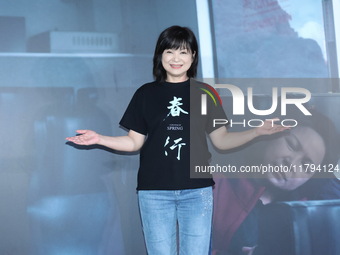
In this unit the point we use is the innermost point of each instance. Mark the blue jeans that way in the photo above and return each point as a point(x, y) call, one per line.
point(162, 210)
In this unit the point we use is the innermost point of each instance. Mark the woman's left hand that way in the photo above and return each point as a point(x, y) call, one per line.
point(269, 127)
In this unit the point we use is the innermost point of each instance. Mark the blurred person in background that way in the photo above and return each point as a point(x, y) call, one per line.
point(312, 143)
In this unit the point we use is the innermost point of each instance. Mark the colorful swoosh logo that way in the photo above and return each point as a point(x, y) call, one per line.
point(212, 93)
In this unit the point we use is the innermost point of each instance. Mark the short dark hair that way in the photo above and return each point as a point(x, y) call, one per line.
point(175, 37)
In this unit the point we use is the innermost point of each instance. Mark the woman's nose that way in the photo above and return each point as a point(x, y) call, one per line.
point(176, 57)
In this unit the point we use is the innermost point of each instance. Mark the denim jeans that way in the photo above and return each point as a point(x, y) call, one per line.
point(162, 210)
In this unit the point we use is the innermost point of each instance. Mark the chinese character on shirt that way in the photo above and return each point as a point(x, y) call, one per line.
point(175, 108)
point(174, 146)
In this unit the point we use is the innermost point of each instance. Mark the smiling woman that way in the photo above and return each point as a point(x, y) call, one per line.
point(158, 122)
point(177, 63)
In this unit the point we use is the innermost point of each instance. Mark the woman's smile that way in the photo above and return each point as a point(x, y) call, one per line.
point(176, 63)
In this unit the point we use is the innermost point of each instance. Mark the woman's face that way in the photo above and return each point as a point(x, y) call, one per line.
point(176, 64)
point(300, 147)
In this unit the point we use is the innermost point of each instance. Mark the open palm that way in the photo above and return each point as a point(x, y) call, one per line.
point(85, 137)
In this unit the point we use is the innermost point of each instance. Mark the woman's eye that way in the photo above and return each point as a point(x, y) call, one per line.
point(293, 143)
point(184, 52)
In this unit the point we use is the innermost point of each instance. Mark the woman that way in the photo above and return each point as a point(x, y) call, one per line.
point(158, 122)
point(238, 203)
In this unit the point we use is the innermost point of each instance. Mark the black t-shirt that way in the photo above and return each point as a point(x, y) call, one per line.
point(161, 111)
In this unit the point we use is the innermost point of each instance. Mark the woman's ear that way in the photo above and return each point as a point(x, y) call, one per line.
point(193, 55)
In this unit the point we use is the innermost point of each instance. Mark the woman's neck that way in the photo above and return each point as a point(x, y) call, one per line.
point(172, 79)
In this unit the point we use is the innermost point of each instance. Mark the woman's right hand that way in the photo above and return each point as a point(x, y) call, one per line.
point(85, 137)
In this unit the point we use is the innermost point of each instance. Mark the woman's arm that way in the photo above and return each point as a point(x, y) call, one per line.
point(224, 140)
point(133, 141)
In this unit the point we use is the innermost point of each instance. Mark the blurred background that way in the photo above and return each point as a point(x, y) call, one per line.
point(74, 64)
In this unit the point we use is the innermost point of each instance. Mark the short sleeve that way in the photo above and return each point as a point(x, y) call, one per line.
point(212, 105)
point(133, 118)
point(216, 113)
